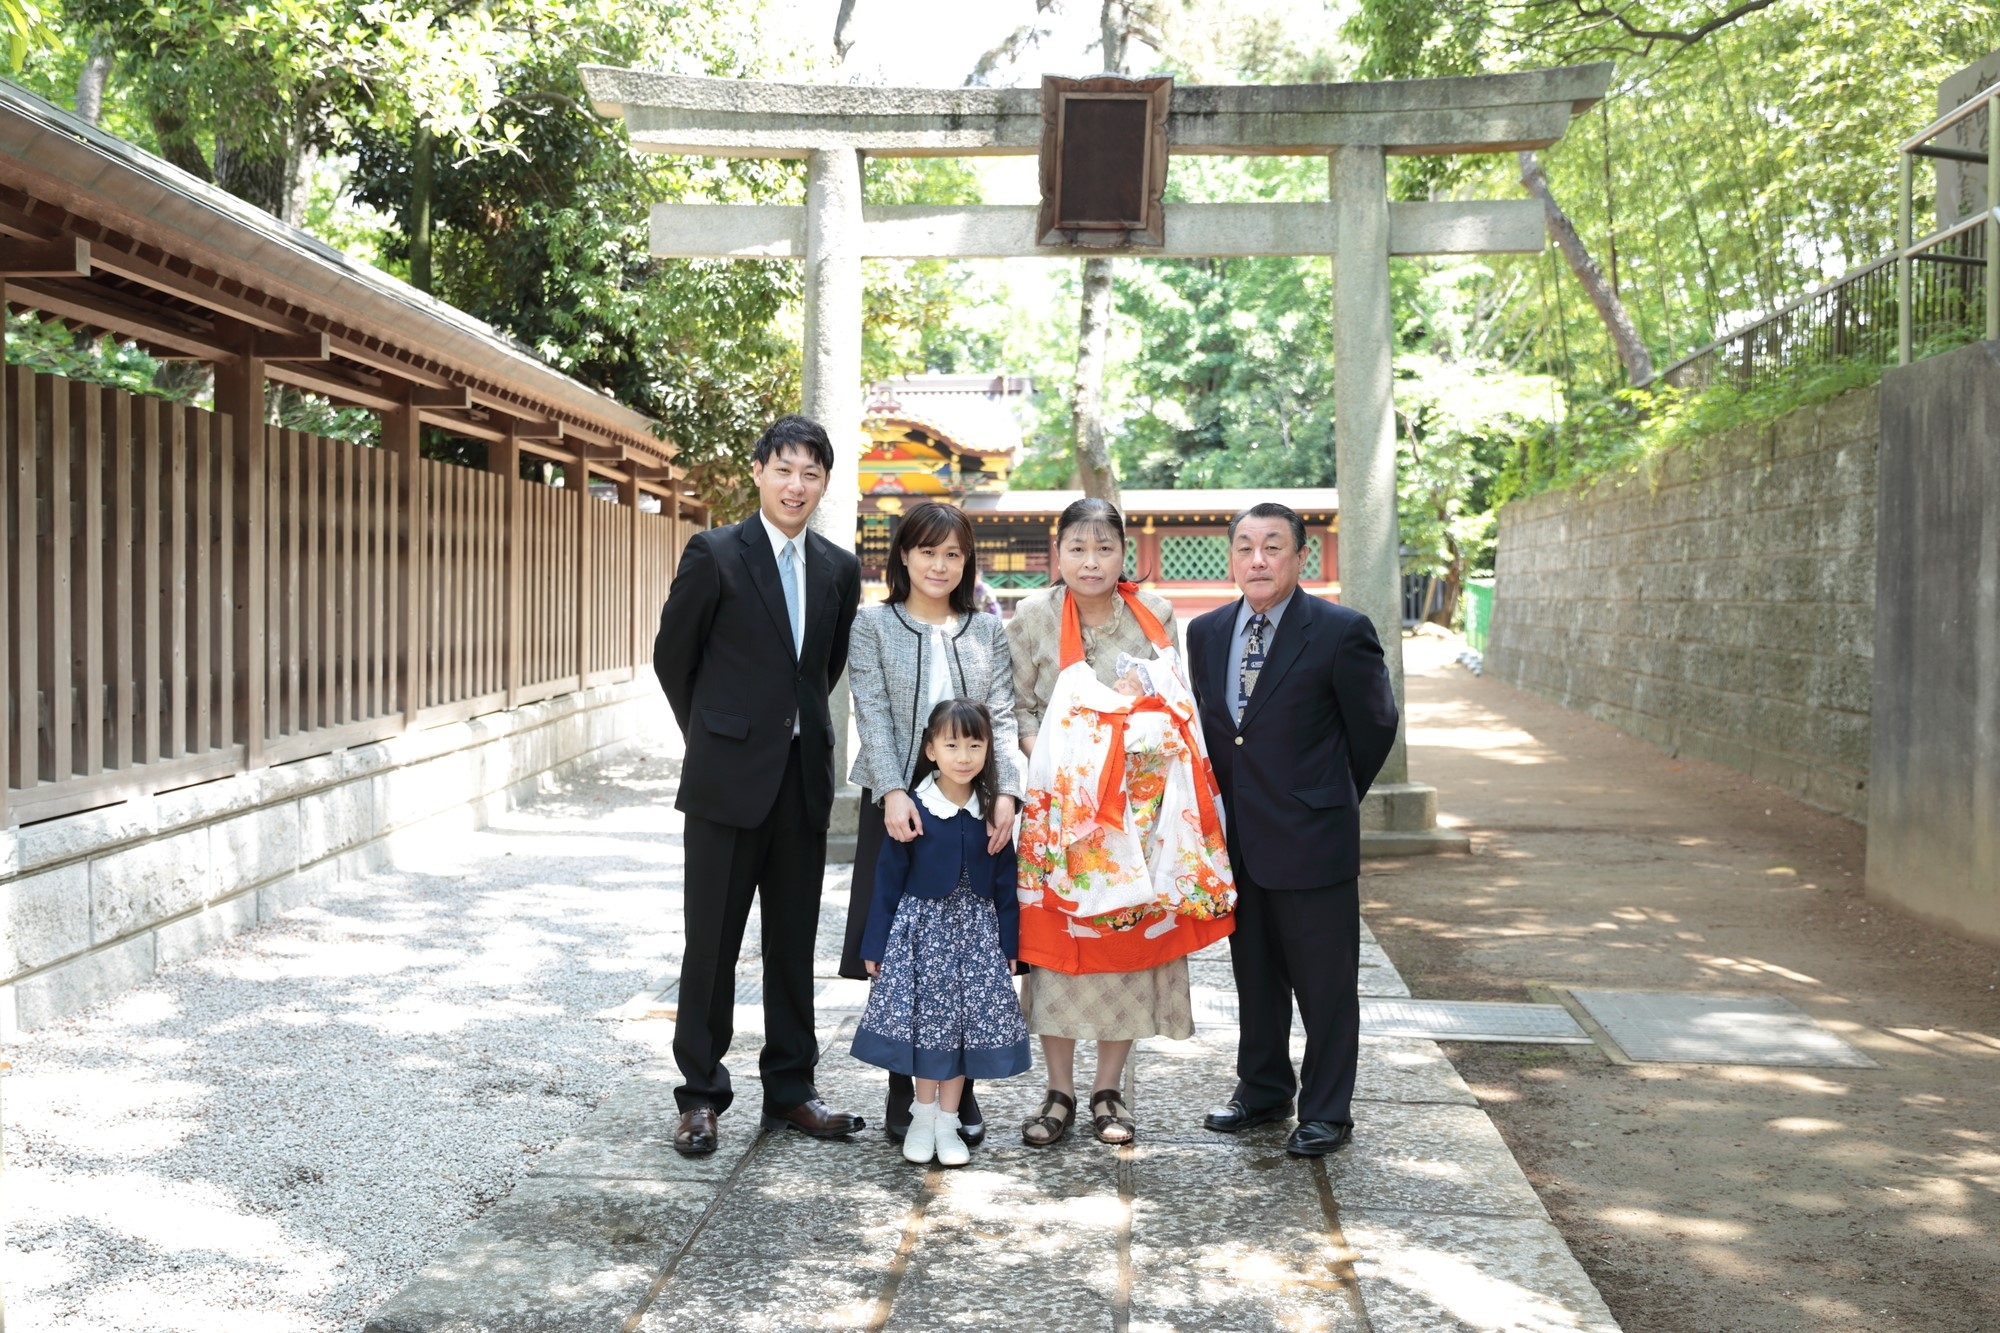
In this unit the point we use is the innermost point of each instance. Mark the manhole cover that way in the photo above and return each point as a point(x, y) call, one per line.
point(1679, 1028)
point(1438, 1020)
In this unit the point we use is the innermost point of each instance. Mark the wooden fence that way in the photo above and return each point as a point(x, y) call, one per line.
point(394, 593)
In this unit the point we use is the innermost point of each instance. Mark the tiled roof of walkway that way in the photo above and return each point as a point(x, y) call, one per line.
point(110, 238)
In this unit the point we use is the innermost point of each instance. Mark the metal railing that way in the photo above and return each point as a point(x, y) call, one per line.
point(1946, 245)
point(1933, 293)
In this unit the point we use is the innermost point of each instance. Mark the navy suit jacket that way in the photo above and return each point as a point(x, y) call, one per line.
point(724, 657)
point(1318, 729)
point(929, 867)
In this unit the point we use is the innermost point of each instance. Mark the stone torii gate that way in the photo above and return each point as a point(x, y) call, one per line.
point(1355, 126)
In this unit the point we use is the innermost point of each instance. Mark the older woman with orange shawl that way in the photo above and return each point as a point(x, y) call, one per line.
point(1123, 867)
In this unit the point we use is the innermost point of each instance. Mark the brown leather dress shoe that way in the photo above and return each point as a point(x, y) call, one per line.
point(814, 1119)
point(696, 1134)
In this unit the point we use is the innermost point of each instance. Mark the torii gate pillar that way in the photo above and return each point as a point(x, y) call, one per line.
point(1364, 410)
point(831, 374)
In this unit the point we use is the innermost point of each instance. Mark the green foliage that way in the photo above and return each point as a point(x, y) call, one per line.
point(906, 301)
point(1619, 433)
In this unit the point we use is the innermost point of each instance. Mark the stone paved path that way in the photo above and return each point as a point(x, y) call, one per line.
point(1425, 1223)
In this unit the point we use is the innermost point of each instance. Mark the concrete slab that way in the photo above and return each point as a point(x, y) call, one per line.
point(1419, 1274)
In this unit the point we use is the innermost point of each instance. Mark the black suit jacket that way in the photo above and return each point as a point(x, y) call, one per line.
point(724, 656)
point(1318, 729)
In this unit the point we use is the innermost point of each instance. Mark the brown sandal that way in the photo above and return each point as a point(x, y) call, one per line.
point(1047, 1123)
point(1114, 1124)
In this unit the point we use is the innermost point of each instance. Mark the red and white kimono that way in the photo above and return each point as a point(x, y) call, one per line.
point(1123, 864)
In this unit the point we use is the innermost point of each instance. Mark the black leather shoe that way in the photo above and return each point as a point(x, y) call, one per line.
point(1236, 1117)
point(1317, 1138)
point(896, 1115)
point(695, 1136)
point(971, 1124)
point(816, 1120)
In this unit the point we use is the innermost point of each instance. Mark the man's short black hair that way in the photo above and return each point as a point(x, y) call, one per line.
point(1272, 509)
point(794, 432)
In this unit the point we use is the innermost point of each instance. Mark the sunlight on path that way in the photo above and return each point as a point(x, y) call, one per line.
point(274, 1135)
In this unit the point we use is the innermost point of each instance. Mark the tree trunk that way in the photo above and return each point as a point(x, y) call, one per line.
point(1093, 460)
point(179, 146)
point(299, 174)
point(423, 162)
point(255, 173)
point(91, 79)
point(843, 31)
point(1631, 349)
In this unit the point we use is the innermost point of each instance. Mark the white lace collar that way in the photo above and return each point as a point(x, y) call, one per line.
point(936, 802)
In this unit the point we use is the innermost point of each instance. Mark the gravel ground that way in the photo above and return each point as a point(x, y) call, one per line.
point(276, 1135)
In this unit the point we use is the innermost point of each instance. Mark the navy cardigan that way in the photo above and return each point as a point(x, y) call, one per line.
point(928, 867)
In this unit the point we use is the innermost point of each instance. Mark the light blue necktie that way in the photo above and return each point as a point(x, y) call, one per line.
point(788, 572)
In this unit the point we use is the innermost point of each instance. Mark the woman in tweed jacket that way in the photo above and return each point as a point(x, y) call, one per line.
point(926, 642)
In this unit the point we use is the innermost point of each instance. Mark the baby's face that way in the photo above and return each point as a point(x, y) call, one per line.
point(1129, 684)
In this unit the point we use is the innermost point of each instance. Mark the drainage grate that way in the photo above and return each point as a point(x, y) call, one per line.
point(1438, 1020)
point(1678, 1028)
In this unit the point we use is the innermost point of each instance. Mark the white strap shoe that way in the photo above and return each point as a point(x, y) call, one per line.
point(951, 1149)
point(920, 1144)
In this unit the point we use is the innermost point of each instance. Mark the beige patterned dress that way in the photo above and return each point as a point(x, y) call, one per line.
point(1099, 1006)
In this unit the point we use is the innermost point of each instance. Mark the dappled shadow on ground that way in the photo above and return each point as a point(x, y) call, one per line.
point(273, 1135)
point(1705, 1197)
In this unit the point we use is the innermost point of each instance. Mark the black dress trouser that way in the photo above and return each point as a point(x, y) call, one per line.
point(780, 863)
point(1304, 943)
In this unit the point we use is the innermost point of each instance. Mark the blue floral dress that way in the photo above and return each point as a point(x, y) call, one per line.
point(943, 1003)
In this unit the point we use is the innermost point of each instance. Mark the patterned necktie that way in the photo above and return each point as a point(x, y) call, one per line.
point(1253, 662)
point(788, 574)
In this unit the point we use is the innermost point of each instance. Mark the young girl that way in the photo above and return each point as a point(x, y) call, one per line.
point(943, 932)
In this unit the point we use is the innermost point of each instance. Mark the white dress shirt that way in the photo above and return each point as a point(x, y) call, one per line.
point(778, 540)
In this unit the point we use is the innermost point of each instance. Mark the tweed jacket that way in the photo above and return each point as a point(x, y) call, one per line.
point(887, 665)
point(1034, 636)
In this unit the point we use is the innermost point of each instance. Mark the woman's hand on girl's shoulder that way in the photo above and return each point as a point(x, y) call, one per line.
point(899, 816)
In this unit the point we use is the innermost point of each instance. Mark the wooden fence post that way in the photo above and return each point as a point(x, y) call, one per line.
point(628, 496)
point(402, 437)
point(7, 688)
point(576, 476)
point(504, 457)
point(239, 399)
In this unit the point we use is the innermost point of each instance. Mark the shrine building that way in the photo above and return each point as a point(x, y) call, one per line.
point(956, 438)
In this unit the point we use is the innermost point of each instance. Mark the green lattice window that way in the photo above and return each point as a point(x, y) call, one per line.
point(1131, 557)
point(1312, 558)
point(1195, 559)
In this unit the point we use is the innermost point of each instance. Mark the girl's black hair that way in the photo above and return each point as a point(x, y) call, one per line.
point(962, 717)
point(929, 524)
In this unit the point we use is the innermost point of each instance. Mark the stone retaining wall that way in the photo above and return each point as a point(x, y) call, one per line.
point(94, 903)
point(1720, 604)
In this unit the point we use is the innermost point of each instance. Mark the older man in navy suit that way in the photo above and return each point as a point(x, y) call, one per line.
point(1297, 708)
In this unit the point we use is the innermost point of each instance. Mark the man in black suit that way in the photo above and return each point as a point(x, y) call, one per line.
point(1299, 716)
point(752, 639)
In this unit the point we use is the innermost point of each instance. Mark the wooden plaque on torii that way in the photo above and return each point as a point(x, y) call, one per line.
point(1104, 161)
